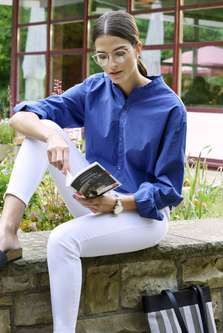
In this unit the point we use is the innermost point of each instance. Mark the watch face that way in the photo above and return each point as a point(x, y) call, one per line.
point(118, 207)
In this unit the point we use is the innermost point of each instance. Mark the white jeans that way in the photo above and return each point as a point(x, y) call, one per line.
point(87, 235)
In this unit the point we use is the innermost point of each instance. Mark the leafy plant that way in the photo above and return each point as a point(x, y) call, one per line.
point(5, 60)
point(5, 172)
point(7, 134)
point(200, 194)
point(47, 209)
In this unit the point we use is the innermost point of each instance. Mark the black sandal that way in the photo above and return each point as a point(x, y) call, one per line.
point(9, 256)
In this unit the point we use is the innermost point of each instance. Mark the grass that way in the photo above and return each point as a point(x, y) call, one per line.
point(202, 197)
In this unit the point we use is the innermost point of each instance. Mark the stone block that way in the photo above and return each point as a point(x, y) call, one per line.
point(217, 308)
point(102, 289)
point(203, 270)
point(151, 276)
point(120, 323)
point(44, 280)
point(81, 306)
point(32, 309)
point(6, 300)
point(20, 282)
point(45, 329)
point(5, 326)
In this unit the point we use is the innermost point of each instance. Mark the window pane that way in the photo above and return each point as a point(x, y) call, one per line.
point(202, 72)
point(203, 25)
point(100, 7)
point(67, 35)
point(92, 67)
point(158, 62)
point(63, 9)
point(91, 24)
point(199, 2)
point(156, 28)
point(31, 77)
point(33, 38)
point(67, 69)
point(148, 4)
point(32, 11)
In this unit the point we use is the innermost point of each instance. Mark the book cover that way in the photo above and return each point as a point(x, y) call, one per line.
point(92, 181)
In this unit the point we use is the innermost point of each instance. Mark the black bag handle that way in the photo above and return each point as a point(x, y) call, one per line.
point(202, 306)
point(175, 306)
point(201, 303)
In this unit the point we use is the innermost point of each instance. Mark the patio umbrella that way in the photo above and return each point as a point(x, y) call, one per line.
point(155, 35)
point(34, 66)
point(209, 60)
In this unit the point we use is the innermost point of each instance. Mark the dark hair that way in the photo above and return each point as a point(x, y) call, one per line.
point(119, 24)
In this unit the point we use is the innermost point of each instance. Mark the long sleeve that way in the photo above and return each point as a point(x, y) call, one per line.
point(168, 172)
point(67, 109)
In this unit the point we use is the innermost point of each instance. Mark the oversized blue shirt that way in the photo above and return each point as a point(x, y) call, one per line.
point(140, 138)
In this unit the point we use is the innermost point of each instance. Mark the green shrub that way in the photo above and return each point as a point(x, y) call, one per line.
point(202, 198)
point(46, 209)
point(5, 172)
point(7, 133)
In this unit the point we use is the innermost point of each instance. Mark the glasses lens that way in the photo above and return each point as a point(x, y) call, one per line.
point(120, 56)
point(100, 59)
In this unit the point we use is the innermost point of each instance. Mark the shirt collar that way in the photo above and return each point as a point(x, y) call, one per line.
point(155, 80)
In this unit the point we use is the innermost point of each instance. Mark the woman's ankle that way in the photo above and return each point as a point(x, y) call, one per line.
point(8, 240)
point(8, 228)
point(12, 213)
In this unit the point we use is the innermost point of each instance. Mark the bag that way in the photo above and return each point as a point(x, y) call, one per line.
point(188, 310)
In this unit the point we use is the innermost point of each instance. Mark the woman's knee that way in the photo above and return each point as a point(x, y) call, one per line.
point(51, 124)
point(62, 240)
point(56, 127)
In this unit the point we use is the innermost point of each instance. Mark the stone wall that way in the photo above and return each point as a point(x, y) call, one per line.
point(112, 285)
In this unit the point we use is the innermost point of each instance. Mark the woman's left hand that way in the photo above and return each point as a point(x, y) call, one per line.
point(101, 204)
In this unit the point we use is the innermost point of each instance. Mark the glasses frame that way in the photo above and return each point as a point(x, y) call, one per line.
point(108, 54)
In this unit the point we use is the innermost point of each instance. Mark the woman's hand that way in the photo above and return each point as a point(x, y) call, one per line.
point(101, 204)
point(58, 152)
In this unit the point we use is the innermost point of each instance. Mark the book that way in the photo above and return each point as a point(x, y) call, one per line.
point(92, 181)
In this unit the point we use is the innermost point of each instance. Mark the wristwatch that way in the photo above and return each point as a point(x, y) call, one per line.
point(118, 207)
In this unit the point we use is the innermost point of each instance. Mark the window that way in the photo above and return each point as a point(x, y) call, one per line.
point(204, 25)
point(202, 72)
point(64, 31)
point(100, 7)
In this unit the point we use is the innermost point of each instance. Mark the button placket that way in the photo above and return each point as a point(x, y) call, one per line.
point(121, 139)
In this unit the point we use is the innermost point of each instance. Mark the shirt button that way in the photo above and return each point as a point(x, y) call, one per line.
point(119, 168)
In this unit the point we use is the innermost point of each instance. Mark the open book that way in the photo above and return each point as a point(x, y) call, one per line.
point(92, 181)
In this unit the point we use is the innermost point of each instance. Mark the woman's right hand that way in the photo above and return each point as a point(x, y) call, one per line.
point(58, 152)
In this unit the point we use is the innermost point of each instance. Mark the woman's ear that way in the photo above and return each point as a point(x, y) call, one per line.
point(138, 48)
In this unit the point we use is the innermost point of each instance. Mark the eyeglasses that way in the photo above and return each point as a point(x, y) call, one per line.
point(102, 58)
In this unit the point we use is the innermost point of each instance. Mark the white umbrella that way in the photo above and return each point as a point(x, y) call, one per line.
point(155, 35)
point(34, 66)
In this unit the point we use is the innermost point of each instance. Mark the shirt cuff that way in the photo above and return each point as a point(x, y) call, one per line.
point(145, 203)
point(31, 107)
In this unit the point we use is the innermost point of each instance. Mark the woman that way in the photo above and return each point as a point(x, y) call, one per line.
point(135, 127)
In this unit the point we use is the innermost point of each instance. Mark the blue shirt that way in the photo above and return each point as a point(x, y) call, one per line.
point(140, 138)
